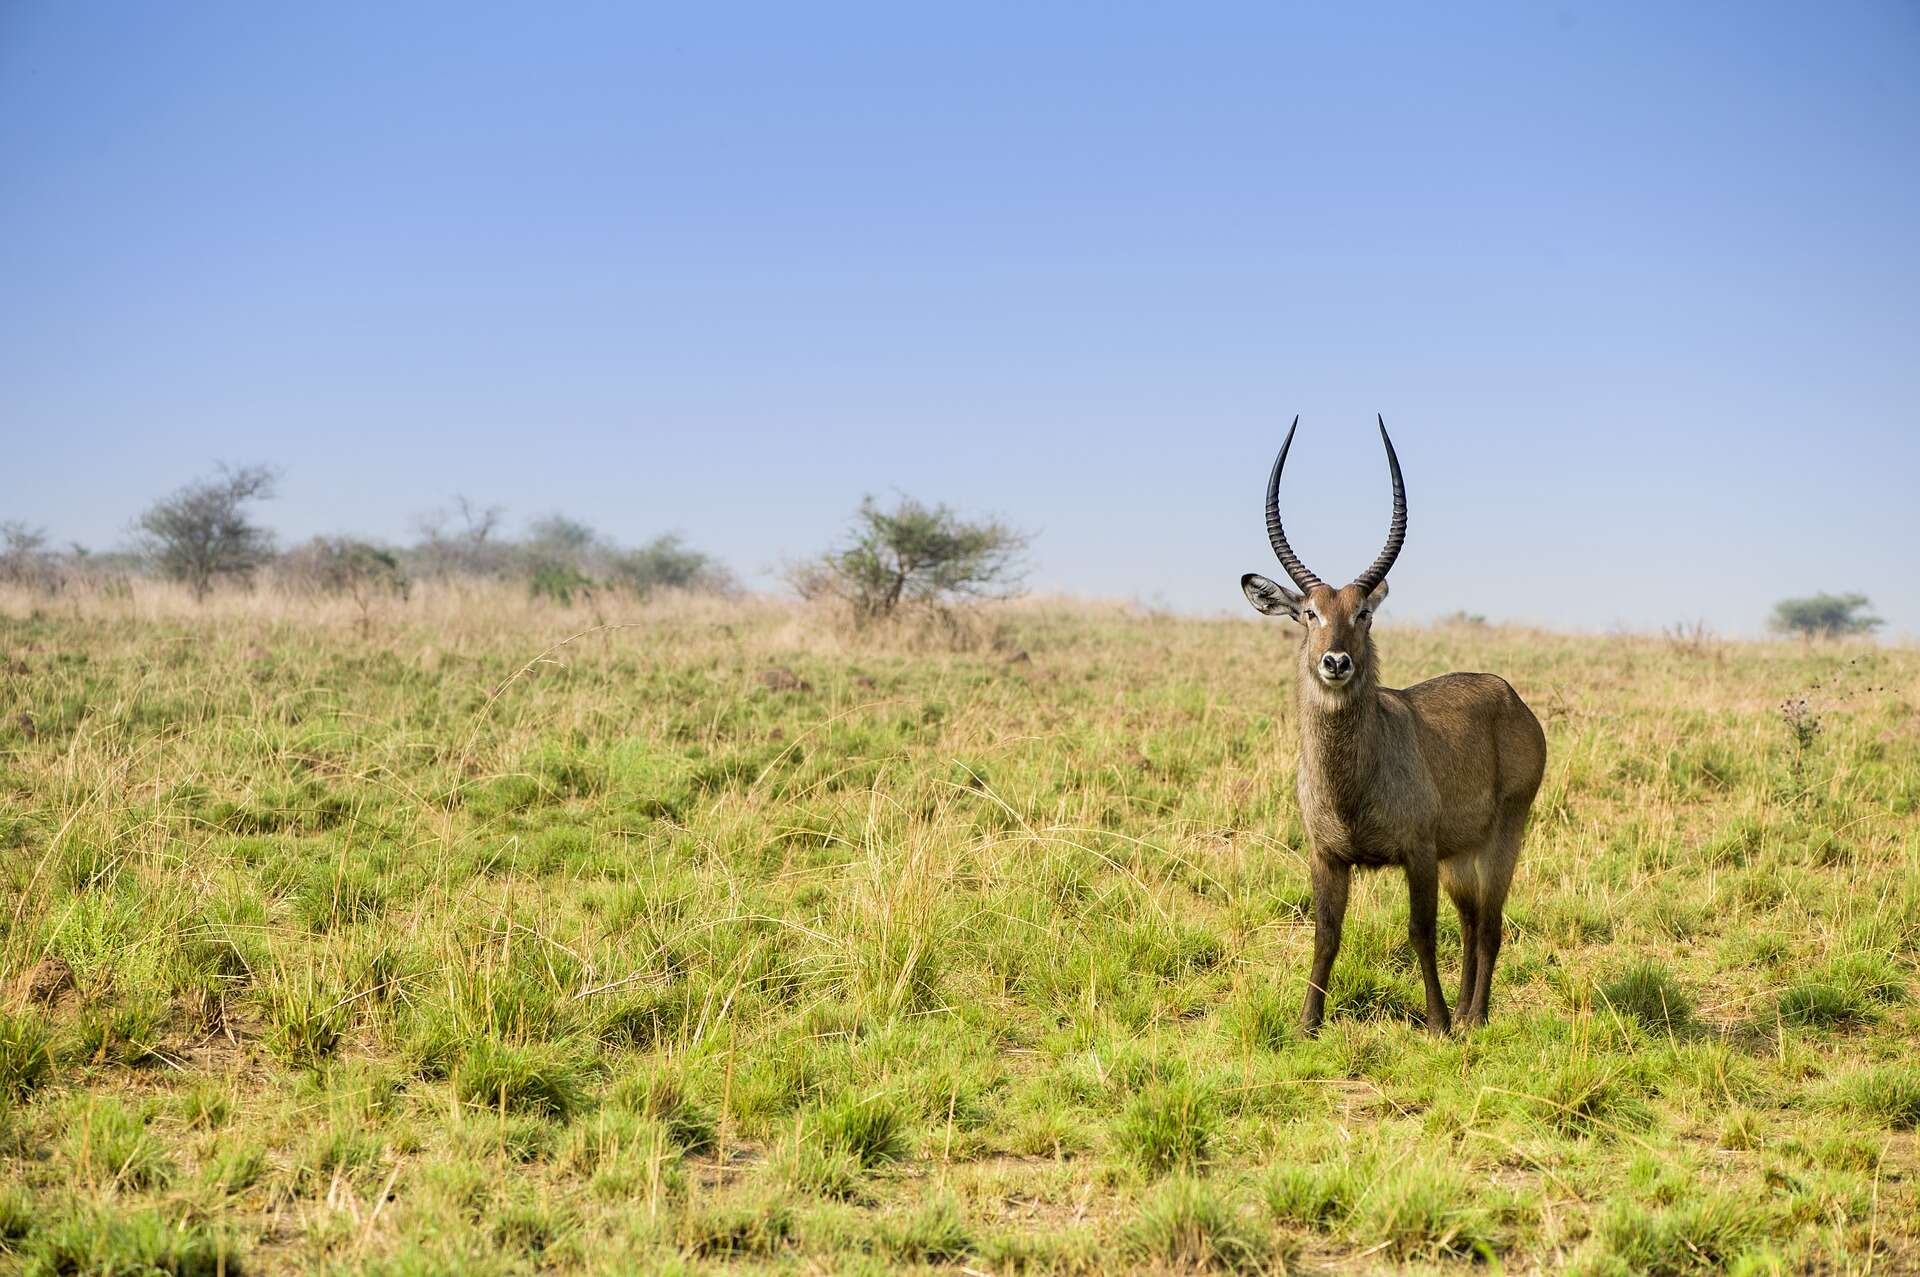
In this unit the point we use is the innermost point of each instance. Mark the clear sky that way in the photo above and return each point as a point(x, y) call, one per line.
point(1636, 286)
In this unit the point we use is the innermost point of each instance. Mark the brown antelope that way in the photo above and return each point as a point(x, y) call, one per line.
point(1436, 778)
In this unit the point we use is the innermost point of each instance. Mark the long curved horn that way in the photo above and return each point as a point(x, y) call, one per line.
point(1397, 530)
point(1284, 552)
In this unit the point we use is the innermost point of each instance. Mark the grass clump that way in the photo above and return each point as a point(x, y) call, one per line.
point(141, 1244)
point(1889, 1095)
point(1260, 1019)
point(868, 1130)
point(532, 1077)
point(1708, 1234)
point(1186, 1224)
point(934, 1232)
point(110, 1146)
point(18, 1218)
point(1847, 992)
point(753, 1225)
point(1648, 995)
point(1588, 1096)
point(26, 1055)
point(1425, 1212)
point(660, 1094)
point(1315, 1195)
point(1171, 1126)
point(305, 1020)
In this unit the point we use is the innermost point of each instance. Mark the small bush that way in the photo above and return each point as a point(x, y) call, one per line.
point(913, 554)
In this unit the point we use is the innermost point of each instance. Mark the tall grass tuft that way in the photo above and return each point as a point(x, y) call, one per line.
point(1186, 1224)
point(1171, 1126)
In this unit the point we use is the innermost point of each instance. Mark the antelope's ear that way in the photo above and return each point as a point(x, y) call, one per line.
point(1270, 597)
point(1378, 597)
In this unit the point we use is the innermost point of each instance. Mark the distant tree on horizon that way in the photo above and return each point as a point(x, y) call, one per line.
point(913, 554)
point(24, 557)
point(203, 533)
point(1824, 616)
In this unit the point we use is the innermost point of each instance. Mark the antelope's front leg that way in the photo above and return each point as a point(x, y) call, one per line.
point(1329, 916)
point(1423, 901)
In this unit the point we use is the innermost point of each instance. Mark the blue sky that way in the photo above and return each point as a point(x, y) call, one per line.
point(1636, 286)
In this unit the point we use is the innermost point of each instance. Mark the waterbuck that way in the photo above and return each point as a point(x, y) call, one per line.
point(1436, 778)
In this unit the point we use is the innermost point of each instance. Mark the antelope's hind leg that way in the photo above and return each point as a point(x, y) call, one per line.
point(1460, 877)
point(1483, 881)
point(1423, 902)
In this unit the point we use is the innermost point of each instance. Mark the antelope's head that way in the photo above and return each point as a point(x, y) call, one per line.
point(1337, 649)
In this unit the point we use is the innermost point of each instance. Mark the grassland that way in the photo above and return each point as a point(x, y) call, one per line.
point(710, 940)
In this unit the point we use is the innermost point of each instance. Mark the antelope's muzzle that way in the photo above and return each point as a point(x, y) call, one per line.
point(1336, 668)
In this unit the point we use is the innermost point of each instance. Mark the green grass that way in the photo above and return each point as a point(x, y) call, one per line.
point(449, 945)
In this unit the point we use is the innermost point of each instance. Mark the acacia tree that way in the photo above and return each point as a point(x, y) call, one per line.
point(913, 554)
point(202, 532)
point(24, 557)
point(1824, 616)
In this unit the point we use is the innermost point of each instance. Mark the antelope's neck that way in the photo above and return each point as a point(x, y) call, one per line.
point(1339, 739)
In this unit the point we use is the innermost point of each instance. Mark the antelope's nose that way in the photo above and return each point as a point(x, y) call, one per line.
point(1336, 665)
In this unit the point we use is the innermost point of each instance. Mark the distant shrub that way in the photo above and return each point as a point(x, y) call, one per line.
point(667, 563)
point(913, 554)
point(1824, 616)
point(343, 566)
point(559, 583)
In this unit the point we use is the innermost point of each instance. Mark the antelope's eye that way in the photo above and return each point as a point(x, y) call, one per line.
point(1312, 615)
point(1361, 615)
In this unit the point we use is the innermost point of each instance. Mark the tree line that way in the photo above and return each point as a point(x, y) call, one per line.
point(905, 557)
point(209, 535)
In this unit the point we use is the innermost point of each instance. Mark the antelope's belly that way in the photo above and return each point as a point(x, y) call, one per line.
point(1360, 842)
